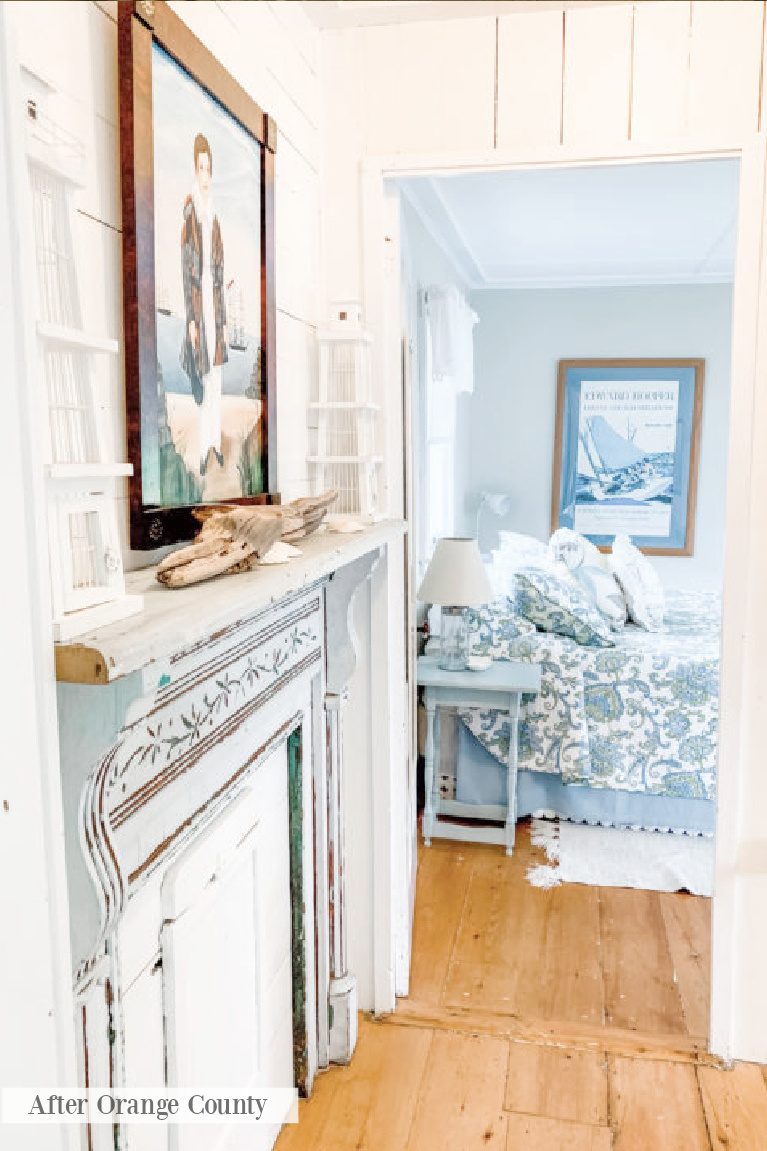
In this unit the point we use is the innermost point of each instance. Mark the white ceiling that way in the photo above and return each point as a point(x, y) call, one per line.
point(672, 223)
point(356, 13)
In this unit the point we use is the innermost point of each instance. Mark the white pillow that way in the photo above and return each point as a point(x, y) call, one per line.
point(519, 549)
point(516, 551)
point(640, 584)
point(605, 591)
point(574, 550)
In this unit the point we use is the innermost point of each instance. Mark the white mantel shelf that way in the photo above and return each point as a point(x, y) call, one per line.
point(172, 620)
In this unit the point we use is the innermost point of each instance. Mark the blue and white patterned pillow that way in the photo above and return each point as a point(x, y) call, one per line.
point(558, 604)
point(494, 627)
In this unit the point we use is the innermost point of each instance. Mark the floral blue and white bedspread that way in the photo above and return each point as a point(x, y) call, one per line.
point(640, 716)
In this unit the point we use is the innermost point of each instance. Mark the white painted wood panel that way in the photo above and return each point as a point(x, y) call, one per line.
point(302, 32)
point(530, 46)
point(103, 92)
point(297, 194)
point(660, 92)
point(725, 64)
point(429, 86)
point(753, 789)
point(359, 801)
point(286, 61)
point(343, 144)
point(226, 957)
point(46, 55)
point(253, 45)
point(737, 1025)
point(144, 1051)
point(137, 940)
point(597, 74)
point(297, 362)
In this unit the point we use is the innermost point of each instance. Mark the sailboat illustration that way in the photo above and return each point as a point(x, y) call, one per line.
point(618, 469)
point(235, 317)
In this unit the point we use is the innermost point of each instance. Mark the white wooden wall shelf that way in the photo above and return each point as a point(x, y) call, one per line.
point(87, 584)
point(57, 334)
point(344, 405)
point(85, 471)
point(364, 460)
point(346, 433)
point(204, 823)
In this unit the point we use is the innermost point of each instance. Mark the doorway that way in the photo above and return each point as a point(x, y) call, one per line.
point(602, 263)
point(727, 947)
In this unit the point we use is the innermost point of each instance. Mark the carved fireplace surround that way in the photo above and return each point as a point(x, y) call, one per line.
point(201, 748)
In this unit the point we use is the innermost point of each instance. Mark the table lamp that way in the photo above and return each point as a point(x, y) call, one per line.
point(455, 579)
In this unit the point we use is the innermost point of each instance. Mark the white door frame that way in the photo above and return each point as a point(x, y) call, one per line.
point(738, 992)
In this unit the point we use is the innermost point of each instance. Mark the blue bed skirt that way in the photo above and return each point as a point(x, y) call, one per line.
point(480, 778)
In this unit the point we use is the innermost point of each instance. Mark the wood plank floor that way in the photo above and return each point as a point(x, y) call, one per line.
point(565, 1020)
point(573, 958)
point(415, 1088)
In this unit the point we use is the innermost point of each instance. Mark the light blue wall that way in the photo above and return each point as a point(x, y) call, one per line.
point(520, 338)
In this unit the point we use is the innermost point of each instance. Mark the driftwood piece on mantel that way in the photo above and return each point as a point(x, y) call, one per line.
point(171, 623)
point(233, 539)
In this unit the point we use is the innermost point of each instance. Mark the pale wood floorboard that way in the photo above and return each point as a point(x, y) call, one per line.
point(460, 1105)
point(526, 950)
point(640, 992)
point(736, 1107)
point(687, 920)
point(557, 1083)
point(656, 1105)
point(371, 1103)
point(538, 1133)
point(441, 869)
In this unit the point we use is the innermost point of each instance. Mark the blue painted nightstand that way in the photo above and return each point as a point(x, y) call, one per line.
point(500, 687)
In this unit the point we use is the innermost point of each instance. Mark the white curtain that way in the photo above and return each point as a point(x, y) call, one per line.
point(451, 327)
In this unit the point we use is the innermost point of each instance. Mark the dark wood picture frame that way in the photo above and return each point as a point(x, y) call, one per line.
point(140, 26)
point(682, 496)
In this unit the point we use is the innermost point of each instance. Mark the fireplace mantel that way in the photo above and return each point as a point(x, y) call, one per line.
point(175, 620)
point(191, 735)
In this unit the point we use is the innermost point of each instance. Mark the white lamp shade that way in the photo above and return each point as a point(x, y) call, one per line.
point(455, 577)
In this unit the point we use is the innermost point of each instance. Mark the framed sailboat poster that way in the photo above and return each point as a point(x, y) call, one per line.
point(626, 451)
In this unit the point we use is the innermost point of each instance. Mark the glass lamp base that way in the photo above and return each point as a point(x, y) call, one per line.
point(454, 640)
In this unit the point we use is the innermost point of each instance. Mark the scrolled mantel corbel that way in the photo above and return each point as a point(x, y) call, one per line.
point(342, 642)
point(340, 661)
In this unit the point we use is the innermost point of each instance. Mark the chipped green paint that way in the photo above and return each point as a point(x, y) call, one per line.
point(298, 942)
point(164, 680)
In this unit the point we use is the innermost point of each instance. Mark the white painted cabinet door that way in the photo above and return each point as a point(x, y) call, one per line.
point(227, 961)
point(143, 1052)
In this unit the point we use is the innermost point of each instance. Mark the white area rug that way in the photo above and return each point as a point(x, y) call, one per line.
point(621, 857)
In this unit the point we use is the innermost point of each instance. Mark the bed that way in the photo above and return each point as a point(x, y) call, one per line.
point(623, 735)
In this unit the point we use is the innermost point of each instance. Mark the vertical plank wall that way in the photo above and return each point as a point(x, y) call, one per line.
point(597, 77)
point(272, 49)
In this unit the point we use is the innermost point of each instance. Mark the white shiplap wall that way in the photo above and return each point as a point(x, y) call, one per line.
point(601, 77)
point(273, 50)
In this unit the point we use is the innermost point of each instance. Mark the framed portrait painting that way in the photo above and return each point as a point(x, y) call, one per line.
point(197, 159)
point(626, 451)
